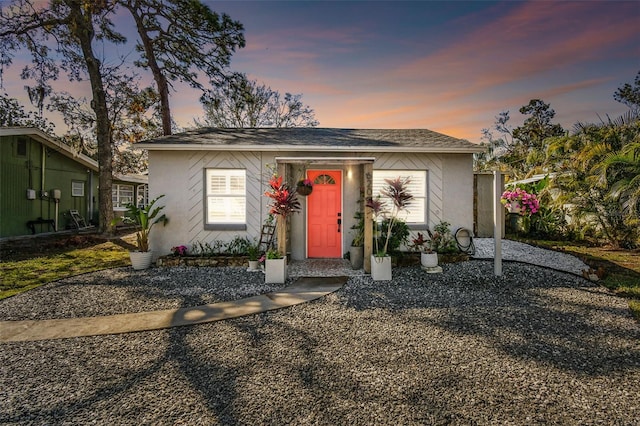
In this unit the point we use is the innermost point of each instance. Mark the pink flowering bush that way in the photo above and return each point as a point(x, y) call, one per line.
point(179, 250)
point(528, 203)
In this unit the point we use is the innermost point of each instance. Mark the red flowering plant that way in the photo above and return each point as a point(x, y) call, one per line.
point(284, 201)
point(422, 244)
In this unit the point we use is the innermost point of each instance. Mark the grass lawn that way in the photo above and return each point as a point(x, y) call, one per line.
point(621, 267)
point(24, 269)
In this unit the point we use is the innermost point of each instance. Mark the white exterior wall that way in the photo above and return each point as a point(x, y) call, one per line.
point(180, 176)
point(457, 178)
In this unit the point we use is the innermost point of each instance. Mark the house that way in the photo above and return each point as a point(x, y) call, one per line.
point(214, 180)
point(42, 180)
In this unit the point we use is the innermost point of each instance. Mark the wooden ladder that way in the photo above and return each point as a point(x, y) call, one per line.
point(266, 238)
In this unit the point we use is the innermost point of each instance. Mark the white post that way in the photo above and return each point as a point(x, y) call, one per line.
point(497, 223)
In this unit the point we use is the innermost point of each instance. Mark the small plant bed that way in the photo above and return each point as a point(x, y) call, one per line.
point(237, 252)
point(221, 260)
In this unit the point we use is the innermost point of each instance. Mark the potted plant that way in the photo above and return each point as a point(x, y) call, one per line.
point(304, 187)
point(356, 251)
point(520, 202)
point(395, 190)
point(253, 251)
point(275, 267)
point(443, 243)
point(428, 258)
point(144, 218)
point(284, 202)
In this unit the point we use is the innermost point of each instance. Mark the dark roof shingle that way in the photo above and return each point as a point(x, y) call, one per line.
point(313, 138)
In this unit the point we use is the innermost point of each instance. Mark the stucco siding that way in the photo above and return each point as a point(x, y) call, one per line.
point(433, 164)
point(457, 178)
point(180, 176)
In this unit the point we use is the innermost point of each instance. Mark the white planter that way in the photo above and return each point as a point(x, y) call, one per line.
point(254, 265)
point(429, 260)
point(381, 268)
point(356, 255)
point(275, 271)
point(140, 259)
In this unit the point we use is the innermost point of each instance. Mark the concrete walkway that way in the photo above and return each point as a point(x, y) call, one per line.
point(303, 290)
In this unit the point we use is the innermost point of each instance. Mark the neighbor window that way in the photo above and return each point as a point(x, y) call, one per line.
point(226, 198)
point(143, 195)
point(77, 188)
point(417, 211)
point(21, 147)
point(122, 195)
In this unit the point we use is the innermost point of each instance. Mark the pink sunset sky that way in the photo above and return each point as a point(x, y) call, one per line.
point(445, 66)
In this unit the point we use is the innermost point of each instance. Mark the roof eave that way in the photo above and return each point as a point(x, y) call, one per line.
point(47, 140)
point(308, 148)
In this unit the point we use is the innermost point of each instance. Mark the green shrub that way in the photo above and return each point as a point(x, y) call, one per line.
point(399, 235)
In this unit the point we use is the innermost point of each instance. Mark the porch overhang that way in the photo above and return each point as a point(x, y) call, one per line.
point(366, 163)
point(325, 160)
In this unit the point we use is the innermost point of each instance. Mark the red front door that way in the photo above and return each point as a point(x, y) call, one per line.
point(324, 214)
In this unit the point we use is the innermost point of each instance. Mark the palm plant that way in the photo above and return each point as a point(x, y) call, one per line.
point(396, 190)
point(144, 218)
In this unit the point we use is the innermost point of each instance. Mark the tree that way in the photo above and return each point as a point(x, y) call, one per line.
point(132, 114)
point(238, 102)
point(179, 38)
point(75, 26)
point(497, 148)
point(12, 113)
point(599, 178)
point(521, 151)
point(630, 95)
point(538, 126)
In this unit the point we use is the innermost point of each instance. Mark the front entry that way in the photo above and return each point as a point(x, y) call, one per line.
point(324, 214)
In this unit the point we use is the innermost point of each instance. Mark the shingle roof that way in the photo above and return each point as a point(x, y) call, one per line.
point(66, 150)
point(312, 139)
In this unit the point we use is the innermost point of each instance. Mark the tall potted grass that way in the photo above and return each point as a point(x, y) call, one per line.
point(397, 192)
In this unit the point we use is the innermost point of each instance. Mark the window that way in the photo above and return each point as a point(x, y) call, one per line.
point(226, 197)
point(324, 179)
point(122, 195)
point(21, 147)
point(77, 188)
point(142, 198)
point(417, 211)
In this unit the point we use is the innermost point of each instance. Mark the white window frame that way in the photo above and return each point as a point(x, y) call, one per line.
point(230, 196)
point(77, 188)
point(417, 211)
point(142, 195)
point(122, 195)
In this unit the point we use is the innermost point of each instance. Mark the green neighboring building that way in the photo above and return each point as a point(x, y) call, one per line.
point(42, 180)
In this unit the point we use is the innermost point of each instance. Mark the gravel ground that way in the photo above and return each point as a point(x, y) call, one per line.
point(515, 250)
point(534, 346)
